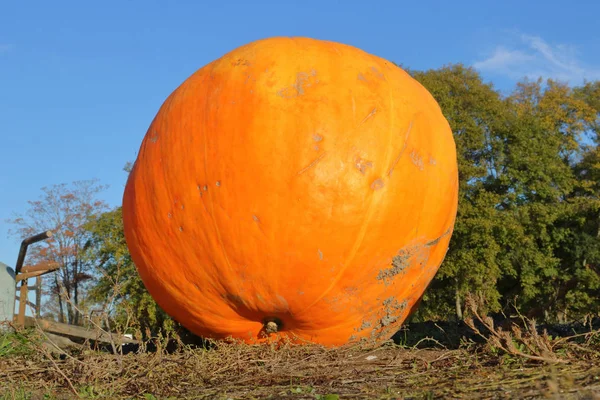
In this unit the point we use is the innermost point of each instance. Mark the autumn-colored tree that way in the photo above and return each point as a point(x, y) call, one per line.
point(64, 210)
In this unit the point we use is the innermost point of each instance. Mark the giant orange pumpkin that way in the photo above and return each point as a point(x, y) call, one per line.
point(293, 187)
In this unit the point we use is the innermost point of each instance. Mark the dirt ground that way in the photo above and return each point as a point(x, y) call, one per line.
point(421, 363)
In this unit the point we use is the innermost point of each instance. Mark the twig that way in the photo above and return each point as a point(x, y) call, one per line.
point(49, 357)
point(505, 337)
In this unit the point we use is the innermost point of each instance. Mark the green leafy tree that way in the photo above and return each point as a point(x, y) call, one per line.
point(542, 146)
point(578, 232)
point(475, 112)
point(119, 289)
point(524, 225)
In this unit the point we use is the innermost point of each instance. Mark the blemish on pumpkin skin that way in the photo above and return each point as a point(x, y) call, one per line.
point(370, 115)
point(362, 165)
point(351, 290)
point(169, 215)
point(391, 305)
point(406, 135)
point(218, 183)
point(377, 184)
point(205, 187)
point(404, 257)
point(303, 81)
point(154, 138)
point(377, 73)
point(312, 164)
point(320, 254)
point(255, 218)
point(416, 159)
point(240, 62)
point(364, 325)
point(400, 262)
point(437, 240)
point(317, 138)
point(248, 77)
point(181, 229)
point(432, 161)
point(392, 311)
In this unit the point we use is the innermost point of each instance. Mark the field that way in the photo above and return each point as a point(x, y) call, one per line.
point(484, 359)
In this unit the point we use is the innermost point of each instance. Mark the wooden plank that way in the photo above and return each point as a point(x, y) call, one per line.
point(27, 275)
point(28, 288)
point(76, 331)
point(29, 303)
point(42, 267)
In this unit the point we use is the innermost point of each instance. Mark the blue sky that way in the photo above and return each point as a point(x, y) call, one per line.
point(81, 81)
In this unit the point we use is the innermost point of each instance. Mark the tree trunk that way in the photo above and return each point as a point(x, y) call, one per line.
point(76, 292)
point(61, 311)
point(65, 294)
point(69, 313)
point(459, 313)
point(38, 297)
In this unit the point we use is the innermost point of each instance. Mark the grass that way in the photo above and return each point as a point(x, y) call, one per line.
point(427, 361)
point(18, 343)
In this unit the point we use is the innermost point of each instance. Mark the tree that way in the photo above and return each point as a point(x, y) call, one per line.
point(119, 288)
point(64, 210)
point(578, 232)
point(538, 183)
point(476, 114)
point(528, 207)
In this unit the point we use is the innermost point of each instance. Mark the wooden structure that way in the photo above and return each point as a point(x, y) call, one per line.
point(26, 273)
point(23, 277)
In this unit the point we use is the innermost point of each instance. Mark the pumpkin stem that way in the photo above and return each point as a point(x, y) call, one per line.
point(272, 325)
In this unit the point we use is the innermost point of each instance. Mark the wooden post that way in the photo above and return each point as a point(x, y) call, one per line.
point(22, 303)
point(38, 296)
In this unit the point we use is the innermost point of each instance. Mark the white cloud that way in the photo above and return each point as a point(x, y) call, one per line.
point(503, 58)
point(532, 57)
